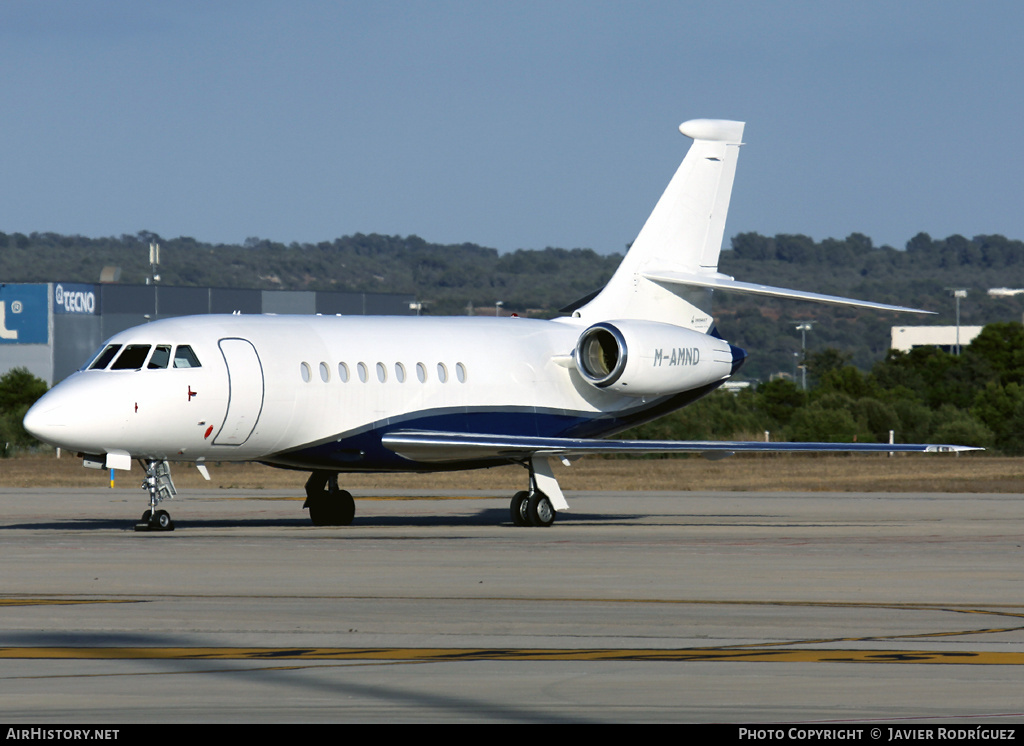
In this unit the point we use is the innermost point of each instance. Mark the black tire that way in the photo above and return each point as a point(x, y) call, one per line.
point(162, 520)
point(345, 508)
point(332, 509)
point(541, 512)
point(518, 509)
point(317, 511)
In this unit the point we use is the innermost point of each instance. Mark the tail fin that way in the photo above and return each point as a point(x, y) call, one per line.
point(683, 234)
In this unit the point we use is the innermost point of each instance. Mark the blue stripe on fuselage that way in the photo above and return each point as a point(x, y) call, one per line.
point(361, 450)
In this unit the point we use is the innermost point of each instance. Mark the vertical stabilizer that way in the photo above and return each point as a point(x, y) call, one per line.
point(683, 234)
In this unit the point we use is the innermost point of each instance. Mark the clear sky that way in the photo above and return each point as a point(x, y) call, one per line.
point(508, 124)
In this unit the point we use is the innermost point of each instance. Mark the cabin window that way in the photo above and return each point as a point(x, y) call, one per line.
point(363, 373)
point(103, 359)
point(161, 357)
point(400, 372)
point(132, 358)
point(325, 373)
point(421, 372)
point(460, 372)
point(305, 372)
point(343, 372)
point(185, 358)
point(442, 373)
point(382, 372)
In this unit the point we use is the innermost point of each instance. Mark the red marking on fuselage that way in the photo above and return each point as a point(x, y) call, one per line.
point(208, 431)
point(191, 393)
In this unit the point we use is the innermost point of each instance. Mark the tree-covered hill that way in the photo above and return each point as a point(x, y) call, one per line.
point(925, 396)
point(449, 278)
point(921, 276)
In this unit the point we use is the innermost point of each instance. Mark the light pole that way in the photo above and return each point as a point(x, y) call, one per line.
point(958, 294)
point(803, 328)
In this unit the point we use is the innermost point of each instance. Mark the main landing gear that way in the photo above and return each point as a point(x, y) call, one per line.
point(536, 506)
point(531, 509)
point(158, 483)
point(328, 505)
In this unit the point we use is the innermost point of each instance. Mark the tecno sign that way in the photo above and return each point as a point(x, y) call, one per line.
point(74, 299)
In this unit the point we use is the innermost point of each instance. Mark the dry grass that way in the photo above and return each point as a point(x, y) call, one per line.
point(800, 473)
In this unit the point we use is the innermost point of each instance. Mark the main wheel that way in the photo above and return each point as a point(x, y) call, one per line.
point(332, 509)
point(344, 507)
point(518, 509)
point(540, 510)
point(318, 511)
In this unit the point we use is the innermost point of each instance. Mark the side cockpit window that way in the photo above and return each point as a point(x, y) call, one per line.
point(132, 358)
point(161, 357)
point(185, 358)
point(102, 360)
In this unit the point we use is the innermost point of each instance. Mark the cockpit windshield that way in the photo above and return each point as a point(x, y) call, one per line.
point(161, 356)
point(102, 360)
point(134, 356)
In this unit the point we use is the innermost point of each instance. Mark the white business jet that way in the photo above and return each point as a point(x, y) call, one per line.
point(331, 395)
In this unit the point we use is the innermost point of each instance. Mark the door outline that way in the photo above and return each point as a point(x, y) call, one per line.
point(245, 391)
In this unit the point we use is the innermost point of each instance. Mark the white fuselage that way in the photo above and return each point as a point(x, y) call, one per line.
point(319, 391)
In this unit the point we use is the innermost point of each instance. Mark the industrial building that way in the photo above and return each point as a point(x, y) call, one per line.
point(53, 328)
point(906, 338)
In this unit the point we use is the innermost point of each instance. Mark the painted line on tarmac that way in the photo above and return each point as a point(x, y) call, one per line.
point(451, 655)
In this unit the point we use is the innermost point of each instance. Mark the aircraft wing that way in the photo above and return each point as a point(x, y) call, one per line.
point(717, 281)
point(431, 446)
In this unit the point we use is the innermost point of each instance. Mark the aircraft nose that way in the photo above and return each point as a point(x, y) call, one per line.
point(68, 415)
point(43, 420)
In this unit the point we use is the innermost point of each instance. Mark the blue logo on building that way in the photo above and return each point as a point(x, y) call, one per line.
point(24, 313)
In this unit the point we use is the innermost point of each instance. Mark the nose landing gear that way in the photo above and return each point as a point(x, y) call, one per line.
point(158, 483)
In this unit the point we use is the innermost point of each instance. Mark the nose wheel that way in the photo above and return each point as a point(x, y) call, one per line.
point(158, 521)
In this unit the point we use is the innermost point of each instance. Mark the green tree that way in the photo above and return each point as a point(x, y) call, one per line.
point(19, 390)
point(999, 351)
point(819, 364)
point(780, 400)
point(819, 424)
point(1000, 408)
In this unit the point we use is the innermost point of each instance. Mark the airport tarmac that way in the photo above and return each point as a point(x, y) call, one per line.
point(654, 606)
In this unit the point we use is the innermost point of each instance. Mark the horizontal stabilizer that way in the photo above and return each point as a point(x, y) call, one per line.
point(430, 446)
point(717, 281)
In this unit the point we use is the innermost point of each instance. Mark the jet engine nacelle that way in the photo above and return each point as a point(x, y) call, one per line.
point(648, 358)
